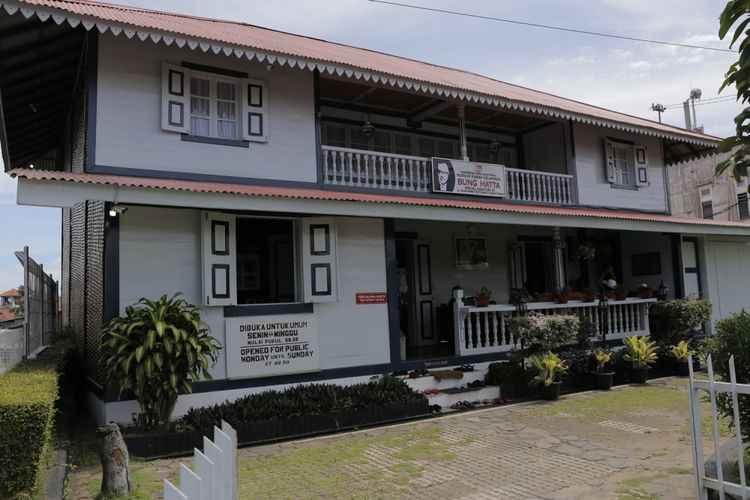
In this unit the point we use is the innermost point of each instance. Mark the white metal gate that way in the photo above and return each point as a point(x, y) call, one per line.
point(719, 484)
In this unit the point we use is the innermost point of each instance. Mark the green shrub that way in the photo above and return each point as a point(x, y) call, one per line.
point(158, 349)
point(27, 409)
point(506, 373)
point(314, 399)
point(732, 337)
point(541, 333)
point(675, 319)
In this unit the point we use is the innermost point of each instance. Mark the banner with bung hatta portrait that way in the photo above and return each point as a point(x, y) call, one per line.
point(466, 177)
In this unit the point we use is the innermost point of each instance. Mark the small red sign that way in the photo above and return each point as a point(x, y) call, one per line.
point(371, 297)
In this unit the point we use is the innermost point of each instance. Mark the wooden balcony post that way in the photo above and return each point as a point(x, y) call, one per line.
point(559, 260)
point(461, 110)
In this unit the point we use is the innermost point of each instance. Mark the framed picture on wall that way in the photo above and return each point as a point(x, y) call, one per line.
point(471, 252)
point(645, 264)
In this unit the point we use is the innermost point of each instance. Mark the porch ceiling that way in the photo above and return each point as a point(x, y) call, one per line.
point(416, 107)
point(64, 189)
point(38, 66)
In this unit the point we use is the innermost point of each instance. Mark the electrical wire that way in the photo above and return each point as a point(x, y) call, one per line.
point(704, 103)
point(550, 27)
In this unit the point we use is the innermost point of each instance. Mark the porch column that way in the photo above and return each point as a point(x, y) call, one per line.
point(559, 259)
point(461, 110)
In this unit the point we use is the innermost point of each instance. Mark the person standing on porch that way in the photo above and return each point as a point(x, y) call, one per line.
point(607, 281)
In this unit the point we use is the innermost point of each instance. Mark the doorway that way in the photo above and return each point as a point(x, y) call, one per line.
point(417, 312)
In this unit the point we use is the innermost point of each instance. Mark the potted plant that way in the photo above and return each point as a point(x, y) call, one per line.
point(642, 354)
point(484, 297)
point(563, 296)
point(589, 295)
point(681, 353)
point(621, 293)
point(603, 380)
point(549, 367)
point(645, 292)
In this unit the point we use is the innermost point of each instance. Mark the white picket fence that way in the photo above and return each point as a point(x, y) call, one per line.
point(703, 483)
point(214, 474)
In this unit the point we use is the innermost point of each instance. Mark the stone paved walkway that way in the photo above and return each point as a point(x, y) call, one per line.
point(629, 443)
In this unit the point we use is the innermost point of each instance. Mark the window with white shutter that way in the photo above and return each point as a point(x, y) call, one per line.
point(641, 165)
point(626, 165)
point(218, 106)
point(219, 259)
point(174, 98)
point(319, 263)
point(254, 110)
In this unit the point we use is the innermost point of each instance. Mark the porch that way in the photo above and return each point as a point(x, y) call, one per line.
point(481, 330)
point(442, 267)
point(385, 171)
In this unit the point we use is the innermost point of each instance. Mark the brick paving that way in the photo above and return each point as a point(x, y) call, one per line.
point(513, 452)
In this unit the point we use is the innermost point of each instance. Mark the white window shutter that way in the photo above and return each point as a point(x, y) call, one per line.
point(320, 275)
point(610, 157)
point(640, 159)
point(219, 259)
point(175, 98)
point(254, 110)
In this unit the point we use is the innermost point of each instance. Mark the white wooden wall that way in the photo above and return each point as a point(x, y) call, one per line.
point(160, 253)
point(593, 188)
point(128, 128)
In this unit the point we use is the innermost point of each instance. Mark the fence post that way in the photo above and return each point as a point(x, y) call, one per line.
point(224, 443)
point(204, 467)
point(190, 483)
point(214, 455)
point(26, 314)
point(232, 433)
point(695, 433)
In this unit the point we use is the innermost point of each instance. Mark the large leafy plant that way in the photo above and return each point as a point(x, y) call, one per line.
point(158, 349)
point(540, 333)
point(548, 367)
point(737, 13)
point(641, 351)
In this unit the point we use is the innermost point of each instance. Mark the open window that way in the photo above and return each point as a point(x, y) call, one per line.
point(213, 105)
point(255, 260)
point(626, 163)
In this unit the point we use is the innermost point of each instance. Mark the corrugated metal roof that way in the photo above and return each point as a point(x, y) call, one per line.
point(330, 195)
point(11, 293)
point(246, 36)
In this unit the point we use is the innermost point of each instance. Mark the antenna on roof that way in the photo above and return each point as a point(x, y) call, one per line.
point(659, 108)
point(691, 123)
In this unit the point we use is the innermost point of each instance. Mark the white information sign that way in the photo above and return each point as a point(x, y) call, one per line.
point(263, 346)
point(465, 177)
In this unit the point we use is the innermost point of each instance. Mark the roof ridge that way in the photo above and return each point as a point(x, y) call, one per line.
point(646, 122)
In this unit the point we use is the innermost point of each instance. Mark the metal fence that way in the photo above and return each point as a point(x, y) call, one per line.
point(40, 292)
point(697, 389)
point(215, 474)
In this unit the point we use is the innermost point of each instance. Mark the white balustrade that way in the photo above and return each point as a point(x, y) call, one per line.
point(539, 187)
point(484, 329)
point(371, 169)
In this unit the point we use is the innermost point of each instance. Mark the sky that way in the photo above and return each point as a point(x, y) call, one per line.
point(622, 75)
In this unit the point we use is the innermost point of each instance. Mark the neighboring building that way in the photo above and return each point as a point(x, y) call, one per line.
point(11, 298)
point(696, 191)
point(331, 196)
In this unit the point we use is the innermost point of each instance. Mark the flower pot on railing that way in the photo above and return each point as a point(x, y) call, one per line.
point(621, 294)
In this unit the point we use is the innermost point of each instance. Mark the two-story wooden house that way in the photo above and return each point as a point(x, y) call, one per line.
point(322, 201)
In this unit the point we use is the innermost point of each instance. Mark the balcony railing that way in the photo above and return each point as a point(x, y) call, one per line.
point(371, 169)
point(484, 329)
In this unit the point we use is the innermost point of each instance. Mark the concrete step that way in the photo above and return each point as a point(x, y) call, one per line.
point(421, 384)
point(445, 399)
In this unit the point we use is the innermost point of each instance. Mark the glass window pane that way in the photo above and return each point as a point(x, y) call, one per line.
point(426, 147)
point(226, 129)
point(199, 106)
point(335, 135)
point(225, 91)
point(199, 87)
point(225, 110)
point(200, 126)
point(382, 141)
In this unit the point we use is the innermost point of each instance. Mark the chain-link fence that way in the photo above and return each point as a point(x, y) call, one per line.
point(39, 304)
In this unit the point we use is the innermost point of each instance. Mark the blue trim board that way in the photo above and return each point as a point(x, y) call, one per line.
point(111, 265)
point(267, 309)
point(318, 128)
point(213, 69)
point(92, 68)
point(215, 141)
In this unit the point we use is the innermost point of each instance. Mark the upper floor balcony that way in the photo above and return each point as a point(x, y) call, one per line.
point(387, 171)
